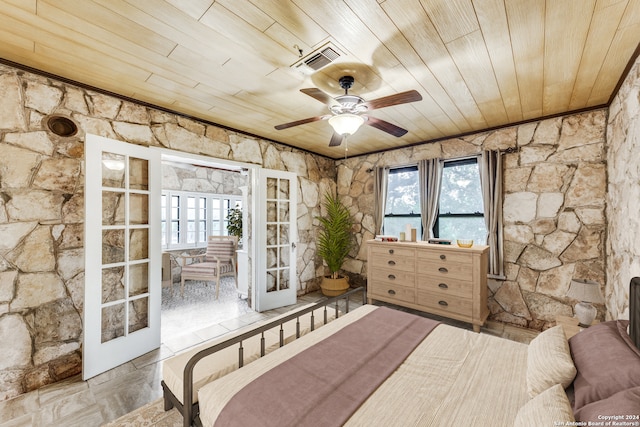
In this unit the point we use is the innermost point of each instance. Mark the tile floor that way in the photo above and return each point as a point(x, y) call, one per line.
point(108, 396)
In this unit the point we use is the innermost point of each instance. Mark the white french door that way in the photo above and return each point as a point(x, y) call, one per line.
point(122, 253)
point(276, 278)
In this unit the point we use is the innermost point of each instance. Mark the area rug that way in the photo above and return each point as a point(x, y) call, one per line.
point(150, 415)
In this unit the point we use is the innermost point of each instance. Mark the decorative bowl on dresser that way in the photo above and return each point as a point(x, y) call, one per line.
point(445, 280)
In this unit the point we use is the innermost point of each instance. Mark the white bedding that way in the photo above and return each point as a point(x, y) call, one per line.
point(454, 377)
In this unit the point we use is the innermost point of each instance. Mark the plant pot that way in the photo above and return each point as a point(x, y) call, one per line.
point(334, 287)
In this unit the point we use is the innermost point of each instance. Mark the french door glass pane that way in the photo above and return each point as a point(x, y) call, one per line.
point(125, 238)
point(284, 279)
point(112, 246)
point(113, 322)
point(138, 208)
point(278, 240)
point(138, 314)
point(113, 170)
point(138, 244)
point(112, 284)
point(138, 279)
point(138, 174)
point(113, 208)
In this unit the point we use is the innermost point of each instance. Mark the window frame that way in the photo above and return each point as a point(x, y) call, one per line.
point(224, 202)
point(452, 163)
point(418, 214)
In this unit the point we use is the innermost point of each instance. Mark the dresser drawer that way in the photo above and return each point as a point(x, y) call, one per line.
point(444, 303)
point(393, 262)
point(391, 291)
point(386, 275)
point(445, 286)
point(393, 250)
point(445, 269)
point(445, 256)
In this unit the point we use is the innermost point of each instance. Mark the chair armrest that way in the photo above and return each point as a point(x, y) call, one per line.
point(185, 257)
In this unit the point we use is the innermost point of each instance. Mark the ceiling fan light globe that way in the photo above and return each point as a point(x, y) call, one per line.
point(346, 124)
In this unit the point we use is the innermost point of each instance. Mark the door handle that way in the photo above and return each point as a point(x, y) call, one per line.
point(293, 245)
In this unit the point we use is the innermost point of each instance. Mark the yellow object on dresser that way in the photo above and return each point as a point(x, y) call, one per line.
point(445, 280)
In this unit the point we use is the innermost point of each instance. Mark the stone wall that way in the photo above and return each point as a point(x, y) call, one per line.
point(42, 211)
point(623, 194)
point(201, 179)
point(554, 210)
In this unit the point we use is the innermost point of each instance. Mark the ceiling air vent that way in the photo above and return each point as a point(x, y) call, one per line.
point(317, 59)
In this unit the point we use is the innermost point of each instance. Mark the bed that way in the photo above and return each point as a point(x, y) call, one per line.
point(450, 377)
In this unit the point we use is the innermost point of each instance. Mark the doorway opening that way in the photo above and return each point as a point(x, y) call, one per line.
point(198, 198)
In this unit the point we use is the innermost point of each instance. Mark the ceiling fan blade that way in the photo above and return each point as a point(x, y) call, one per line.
point(398, 98)
point(336, 139)
point(385, 126)
point(319, 95)
point(301, 122)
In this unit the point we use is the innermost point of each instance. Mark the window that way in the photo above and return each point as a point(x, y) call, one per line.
point(189, 218)
point(403, 202)
point(460, 208)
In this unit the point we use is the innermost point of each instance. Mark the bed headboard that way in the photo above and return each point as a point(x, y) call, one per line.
point(634, 310)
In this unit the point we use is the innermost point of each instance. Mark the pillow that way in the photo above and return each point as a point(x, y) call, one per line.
point(549, 408)
point(549, 361)
point(606, 360)
point(623, 403)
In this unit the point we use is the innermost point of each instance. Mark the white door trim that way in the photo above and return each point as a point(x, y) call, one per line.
point(252, 199)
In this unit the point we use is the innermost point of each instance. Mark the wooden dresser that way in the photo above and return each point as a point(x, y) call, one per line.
point(445, 280)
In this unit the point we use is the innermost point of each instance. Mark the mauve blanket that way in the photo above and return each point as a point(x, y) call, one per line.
point(326, 383)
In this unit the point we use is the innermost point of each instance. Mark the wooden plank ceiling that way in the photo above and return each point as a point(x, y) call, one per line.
point(478, 64)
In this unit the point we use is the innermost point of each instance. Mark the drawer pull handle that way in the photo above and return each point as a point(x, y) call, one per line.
point(443, 286)
point(391, 251)
point(443, 270)
point(443, 256)
point(391, 276)
point(392, 262)
point(391, 292)
point(443, 303)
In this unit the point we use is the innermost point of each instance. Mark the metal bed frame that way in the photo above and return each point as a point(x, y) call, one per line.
point(190, 413)
point(634, 311)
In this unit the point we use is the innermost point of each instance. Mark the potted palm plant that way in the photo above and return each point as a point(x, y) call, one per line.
point(334, 243)
point(234, 224)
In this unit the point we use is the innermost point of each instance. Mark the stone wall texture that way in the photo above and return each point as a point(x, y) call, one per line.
point(562, 217)
point(623, 194)
point(554, 209)
point(42, 211)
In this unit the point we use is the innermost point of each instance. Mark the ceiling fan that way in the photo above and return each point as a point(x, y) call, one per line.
point(348, 112)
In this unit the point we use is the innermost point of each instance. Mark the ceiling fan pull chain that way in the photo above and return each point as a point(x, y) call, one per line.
point(346, 146)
